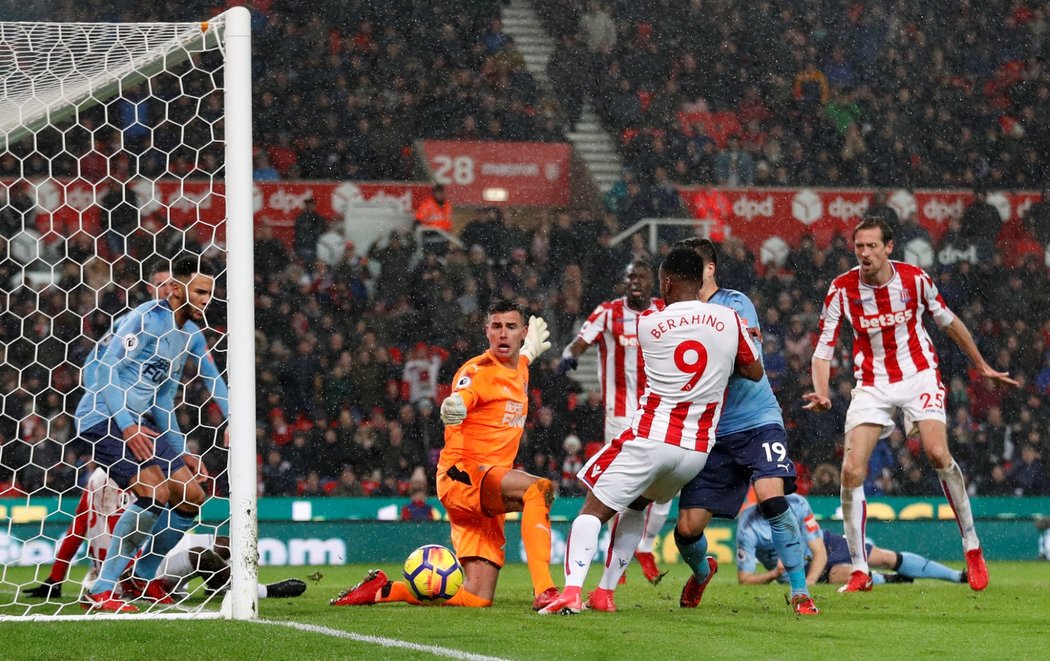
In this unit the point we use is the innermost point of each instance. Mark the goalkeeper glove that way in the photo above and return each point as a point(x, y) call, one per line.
point(453, 409)
point(537, 340)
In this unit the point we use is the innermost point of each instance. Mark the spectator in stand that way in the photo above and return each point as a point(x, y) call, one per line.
point(348, 486)
point(309, 226)
point(734, 167)
point(120, 210)
point(880, 208)
point(1029, 476)
point(980, 223)
point(417, 508)
point(435, 212)
point(271, 255)
point(277, 476)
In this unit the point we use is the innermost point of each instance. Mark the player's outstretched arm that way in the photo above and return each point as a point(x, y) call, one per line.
point(453, 409)
point(959, 334)
point(818, 562)
point(750, 578)
point(569, 357)
point(818, 400)
point(220, 392)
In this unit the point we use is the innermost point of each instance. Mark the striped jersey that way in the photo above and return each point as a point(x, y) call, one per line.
point(890, 342)
point(689, 351)
point(612, 326)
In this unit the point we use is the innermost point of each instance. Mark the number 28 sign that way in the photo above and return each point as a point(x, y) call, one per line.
point(513, 173)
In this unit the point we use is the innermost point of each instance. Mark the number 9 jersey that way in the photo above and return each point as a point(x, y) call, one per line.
point(690, 350)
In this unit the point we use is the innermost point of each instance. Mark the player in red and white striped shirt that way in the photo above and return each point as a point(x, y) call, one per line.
point(690, 350)
point(895, 365)
point(613, 327)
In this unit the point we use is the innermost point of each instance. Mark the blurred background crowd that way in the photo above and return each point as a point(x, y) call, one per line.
point(354, 356)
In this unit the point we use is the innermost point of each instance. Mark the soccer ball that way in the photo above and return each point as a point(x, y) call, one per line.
point(433, 573)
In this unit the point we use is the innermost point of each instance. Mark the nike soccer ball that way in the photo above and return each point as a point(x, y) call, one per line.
point(433, 573)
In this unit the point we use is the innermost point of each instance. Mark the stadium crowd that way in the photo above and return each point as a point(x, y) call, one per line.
point(353, 357)
point(826, 93)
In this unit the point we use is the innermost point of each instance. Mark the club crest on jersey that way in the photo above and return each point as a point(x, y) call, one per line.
point(904, 296)
point(130, 342)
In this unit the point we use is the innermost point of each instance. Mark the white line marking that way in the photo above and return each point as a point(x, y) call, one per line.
point(385, 642)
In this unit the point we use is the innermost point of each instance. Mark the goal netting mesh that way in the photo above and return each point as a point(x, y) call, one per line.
point(114, 158)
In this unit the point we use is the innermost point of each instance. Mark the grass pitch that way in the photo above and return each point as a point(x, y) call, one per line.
point(927, 619)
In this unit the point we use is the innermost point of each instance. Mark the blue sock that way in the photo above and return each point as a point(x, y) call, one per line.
point(167, 532)
point(788, 542)
point(917, 566)
point(133, 526)
point(877, 578)
point(694, 552)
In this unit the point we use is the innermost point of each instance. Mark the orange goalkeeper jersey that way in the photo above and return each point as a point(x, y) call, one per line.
point(497, 404)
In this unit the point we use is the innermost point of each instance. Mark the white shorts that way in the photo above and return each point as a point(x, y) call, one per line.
point(631, 467)
point(616, 425)
point(919, 397)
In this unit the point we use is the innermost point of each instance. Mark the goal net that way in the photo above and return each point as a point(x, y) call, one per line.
point(118, 165)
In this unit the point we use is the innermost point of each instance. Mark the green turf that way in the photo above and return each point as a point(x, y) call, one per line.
point(930, 619)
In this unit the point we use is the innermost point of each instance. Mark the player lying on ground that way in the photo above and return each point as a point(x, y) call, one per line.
point(208, 557)
point(100, 507)
point(895, 365)
point(484, 418)
point(613, 326)
point(690, 348)
point(827, 556)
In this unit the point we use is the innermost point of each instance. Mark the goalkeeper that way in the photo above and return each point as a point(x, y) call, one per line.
point(484, 418)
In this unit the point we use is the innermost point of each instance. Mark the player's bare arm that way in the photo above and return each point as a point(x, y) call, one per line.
point(749, 578)
point(959, 334)
point(750, 371)
point(818, 400)
point(818, 562)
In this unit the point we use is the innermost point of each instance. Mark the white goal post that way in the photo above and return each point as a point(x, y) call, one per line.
point(154, 119)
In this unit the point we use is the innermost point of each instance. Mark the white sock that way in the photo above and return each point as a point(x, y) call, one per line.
point(580, 549)
point(854, 519)
point(655, 518)
point(262, 591)
point(954, 486)
point(626, 533)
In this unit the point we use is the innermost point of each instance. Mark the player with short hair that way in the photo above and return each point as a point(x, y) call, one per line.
point(130, 422)
point(476, 482)
point(827, 553)
point(612, 327)
point(101, 502)
point(751, 450)
point(690, 349)
point(895, 364)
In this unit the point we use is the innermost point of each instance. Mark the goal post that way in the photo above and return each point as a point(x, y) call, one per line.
point(123, 148)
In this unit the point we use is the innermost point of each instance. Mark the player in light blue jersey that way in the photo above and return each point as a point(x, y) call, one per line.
point(159, 289)
point(827, 554)
point(132, 427)
point(751, 448)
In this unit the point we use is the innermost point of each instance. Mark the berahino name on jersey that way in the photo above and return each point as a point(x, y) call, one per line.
point(688, 320)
